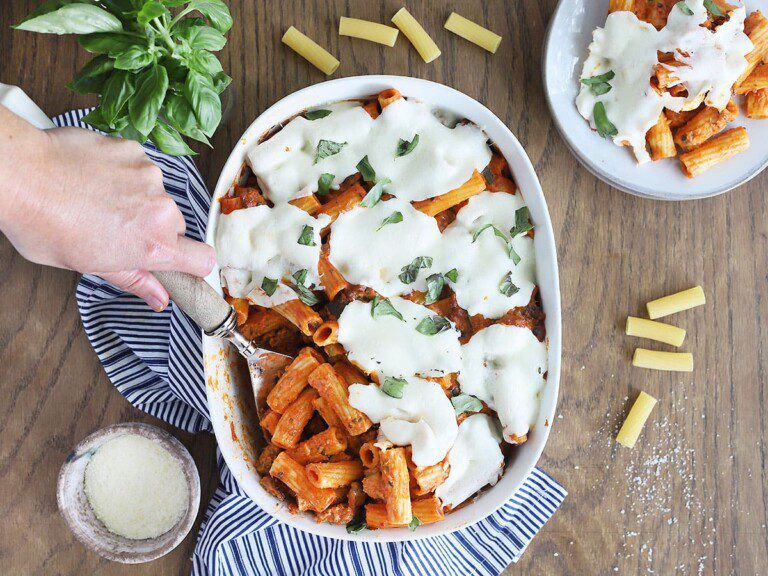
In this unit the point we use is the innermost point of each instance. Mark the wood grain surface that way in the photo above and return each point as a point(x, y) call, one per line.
point(691, 498)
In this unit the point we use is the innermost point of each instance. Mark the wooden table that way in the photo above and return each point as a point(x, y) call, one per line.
point(691, 498)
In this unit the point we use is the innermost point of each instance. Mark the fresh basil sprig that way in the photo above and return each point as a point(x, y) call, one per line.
point(153, 68)
point(394, 218)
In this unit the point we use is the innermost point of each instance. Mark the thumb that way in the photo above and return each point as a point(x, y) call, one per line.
point(142, 284)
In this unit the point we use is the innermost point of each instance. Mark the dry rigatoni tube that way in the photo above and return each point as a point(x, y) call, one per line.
point(636, 419)
point(676, 302)
point(310, 50)
point(365, 30)
point(473, 32)
point(655, 360)
point(409, 26)
point(658, 331)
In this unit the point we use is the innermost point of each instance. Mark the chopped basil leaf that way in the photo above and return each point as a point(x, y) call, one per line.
point(307, 236)
point(604, 126)
point(452, 275)
point(435, 284)
point(393, 387)
point(432, 325)
point(269, 286)
point(599, 84)
point(684, 8)
point(357, 524)
point(713, 8)
point(326, 148)
point(393, 218)
point(374, 194)
point(522, 222)
point(466, 403)
point(305, 295)
point(366, 170)
point(316, 114)
point(404, 147)
point(324, 183)
point(415, 523)
point(507, 287)
point(411, 271)
point(300, 276)
point(383, 307)
point(512, 253)
point(485, 227)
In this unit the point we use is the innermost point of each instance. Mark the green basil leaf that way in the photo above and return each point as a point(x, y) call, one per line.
point(485, 227)
point(204, 62)
point(684, 8)
point(120, 7)
point(601, 79)
point(452, 275)
point(466, 403)
point(118, 89)
point(143, 108)
point(374, 194)
point(713, 8)
point(383, 307)
point(366, 170)
point(182, 26)
point(393, 386)
point(522, 222)
point(94, 118)
point(600, 89)
point(435, 283)
point(404, 147)
point(410, 272)
point(327, 148)
point(200, 93)
point(357, 524)
point(393, 218)
point(107, 42)
point(215, 11)
point(220, 82)
point(203, 38)
point(269, 285)
point(307, 237)
point(179, 114)
point(512, 253)
point(604, 126)
point(305, 295)
point(324, 183)
point(91, 79)
point(415, 523)
point(132, 134)
point(507, 287)
point(432, 325)
point(72, 19)
point(150, 10)
point(169, 141)
point(135, 58)
point(316, 114)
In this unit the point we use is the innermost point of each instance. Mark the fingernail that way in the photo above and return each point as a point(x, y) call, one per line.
point(156, 303)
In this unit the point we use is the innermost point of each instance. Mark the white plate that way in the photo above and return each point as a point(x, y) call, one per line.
point(229, 395)
point(565, 48)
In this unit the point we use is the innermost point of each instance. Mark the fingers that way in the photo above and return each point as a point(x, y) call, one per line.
point(196, 258)
point(142, 284)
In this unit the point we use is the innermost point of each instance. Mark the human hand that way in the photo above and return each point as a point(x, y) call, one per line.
point(74, 199)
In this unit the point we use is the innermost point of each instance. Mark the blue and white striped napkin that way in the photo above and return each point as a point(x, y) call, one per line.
point(154, 360)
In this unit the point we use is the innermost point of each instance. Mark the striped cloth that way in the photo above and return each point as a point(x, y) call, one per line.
point(154, 360)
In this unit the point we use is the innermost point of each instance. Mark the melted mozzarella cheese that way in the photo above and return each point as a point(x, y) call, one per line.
point(258, 242)
point(443, 159)
point(629, 47)
point(475, 459)
point(423, 418)
point(392, 347)
point(484, 263)
point(366, 253)
point(285, 163)
point(504, 366)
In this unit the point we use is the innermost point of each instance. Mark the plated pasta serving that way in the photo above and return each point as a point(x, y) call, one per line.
point(383, 244)
point(666, 78)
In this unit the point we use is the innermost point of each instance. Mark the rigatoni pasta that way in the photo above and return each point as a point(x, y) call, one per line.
point(473, 32)
point(676, 302)
point(655, 360)
point(638, 415)
point(423, 43)
point(310, 50)
point(652, 330)
point(366, 30)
